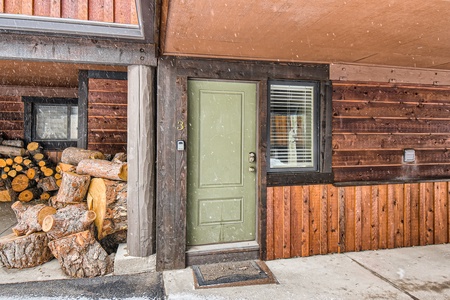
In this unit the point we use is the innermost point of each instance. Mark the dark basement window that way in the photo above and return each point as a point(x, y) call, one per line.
point(53, 122)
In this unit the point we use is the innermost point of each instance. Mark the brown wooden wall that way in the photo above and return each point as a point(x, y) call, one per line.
point(373, 124)
point(320, 219)
point(11, 117)
point(115, 11)
point(107, 115)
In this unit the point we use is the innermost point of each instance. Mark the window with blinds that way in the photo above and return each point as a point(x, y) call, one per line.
point(292, 125)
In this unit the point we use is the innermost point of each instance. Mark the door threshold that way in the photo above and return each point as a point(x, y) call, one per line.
point(207, 254)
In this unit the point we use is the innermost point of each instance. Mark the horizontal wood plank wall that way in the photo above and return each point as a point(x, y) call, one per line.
point(107, 115)
point(373, 124)
point(113, 11)
point(321, 219)
point(11, 117)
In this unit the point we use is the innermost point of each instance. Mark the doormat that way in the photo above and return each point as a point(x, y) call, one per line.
point(232, 274)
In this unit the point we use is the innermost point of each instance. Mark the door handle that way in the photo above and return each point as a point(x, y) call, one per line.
point(252, 169)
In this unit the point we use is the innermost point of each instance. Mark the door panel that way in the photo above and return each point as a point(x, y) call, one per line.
point(221, 189)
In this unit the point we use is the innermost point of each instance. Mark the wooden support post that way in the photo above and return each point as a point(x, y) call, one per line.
point(141, 161)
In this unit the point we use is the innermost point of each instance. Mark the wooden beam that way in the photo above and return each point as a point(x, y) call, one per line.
point(37, 91)
point(385, 74)
point(171, 211)
point(75, 50)
point(141, 161)
point(148, 19)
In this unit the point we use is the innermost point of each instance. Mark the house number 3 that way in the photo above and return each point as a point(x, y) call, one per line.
point(180, 125)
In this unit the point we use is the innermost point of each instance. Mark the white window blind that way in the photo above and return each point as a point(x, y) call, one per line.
point(292, 126)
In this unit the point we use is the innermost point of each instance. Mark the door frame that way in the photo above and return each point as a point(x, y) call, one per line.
point(227, 251)
point(172, 97)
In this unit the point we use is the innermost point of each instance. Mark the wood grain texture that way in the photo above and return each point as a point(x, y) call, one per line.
point(373, 124)
point(329, 219)
point(119, 11)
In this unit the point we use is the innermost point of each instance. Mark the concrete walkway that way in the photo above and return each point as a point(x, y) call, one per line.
point(407, 273)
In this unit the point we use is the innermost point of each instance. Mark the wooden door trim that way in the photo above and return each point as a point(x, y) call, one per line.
point(173, 74)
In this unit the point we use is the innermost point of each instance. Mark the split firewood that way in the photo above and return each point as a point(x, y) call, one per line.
point(68, 220)
point(30, 218)
point(11, 151)
point(20, 183)
point(2, 162)
point(74, 155)
point(29, 194)
point(73, 188)
point(62, 167)
point(6, 192)
point(103, 169)
point(24, 251)
point(80, 255)
point(13, 143)
point(108, 199)
point(48, 184)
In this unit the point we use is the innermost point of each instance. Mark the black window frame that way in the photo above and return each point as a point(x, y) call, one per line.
point(322, 171)
point(30, 121)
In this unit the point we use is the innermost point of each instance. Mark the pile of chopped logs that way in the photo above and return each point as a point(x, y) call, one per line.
point(77, 224)
point(26, 174)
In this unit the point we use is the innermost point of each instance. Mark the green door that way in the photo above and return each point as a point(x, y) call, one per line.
point(221, 205)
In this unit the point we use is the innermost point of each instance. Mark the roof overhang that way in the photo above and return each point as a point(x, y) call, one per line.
point(412, 33)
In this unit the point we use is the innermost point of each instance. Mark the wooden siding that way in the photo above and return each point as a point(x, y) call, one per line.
point(113, 11)
point(321, 219)
point(11, 117)
point(107, 115)
point(373, 124)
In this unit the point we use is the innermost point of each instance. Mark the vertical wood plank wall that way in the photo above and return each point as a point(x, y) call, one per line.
point(114, 11)
point(321, 219)
point(107, 115)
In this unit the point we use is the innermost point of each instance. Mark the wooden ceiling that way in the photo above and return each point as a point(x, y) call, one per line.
point(413, 33)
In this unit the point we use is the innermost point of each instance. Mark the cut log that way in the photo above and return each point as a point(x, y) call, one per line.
point(9, 161)
point(74, 155)
point(45, 196)
point(24, 251)
point(34, 147)
point(108, 199)
point(48, 184)
point(12, 173)
point(33, 173)
point(73, 188)
point(18, 159)
point(38, 156)
point(13, 143)
point(68, 220)
point(103, 169)
point(29, 194)
point(80, 255)
point(11, 151)
point(20, 183)
point(2, 162)
point(30, 218)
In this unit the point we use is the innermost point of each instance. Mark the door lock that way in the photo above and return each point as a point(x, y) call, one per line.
point(251, 169)
point(252, 157)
